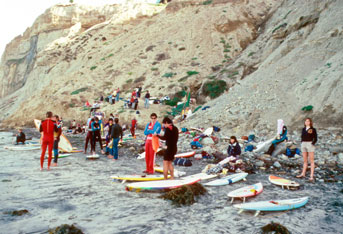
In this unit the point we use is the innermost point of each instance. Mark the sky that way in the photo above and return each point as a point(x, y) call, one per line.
point(17, 15)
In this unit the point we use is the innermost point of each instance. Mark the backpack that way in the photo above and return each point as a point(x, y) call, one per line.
point(183, 162)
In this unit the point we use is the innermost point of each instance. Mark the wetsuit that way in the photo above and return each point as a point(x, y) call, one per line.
point(171, 136)
point(89, 136)
point(48, 128)
point(21, 138)
point(283, 136)
point(96, 135)
point(149, 152)
point(56, 140)
point(133, 127)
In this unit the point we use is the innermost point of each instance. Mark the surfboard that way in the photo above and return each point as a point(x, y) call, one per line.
point(64, 144)
point(21, 148)
point(155, 143)
point(93, 156)
point(227, 179)
point(247, 191)
point(185, 155)
point(59, 155)
point(177, 173)
point(208, 132)
point(282, 182)
point(196, 129)
point(263, 146)
point(160, 185)
point(142, 155)
point(138, 177)
point(201, 176)
point(273, 205)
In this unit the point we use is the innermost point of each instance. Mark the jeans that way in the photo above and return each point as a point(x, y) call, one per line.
point(115, 148)
point(146, 103)
point(55, 150)
point(117, 98)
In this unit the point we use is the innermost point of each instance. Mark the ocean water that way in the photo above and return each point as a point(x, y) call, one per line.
point(81, 192)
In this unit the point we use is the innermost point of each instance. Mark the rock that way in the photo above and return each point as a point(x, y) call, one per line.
point(259, 163)
point(336, 149)
point(207, 141)
point(65, 228)
point(17, 212)
point(284, 157)
point(340, 158)
point(277, 164)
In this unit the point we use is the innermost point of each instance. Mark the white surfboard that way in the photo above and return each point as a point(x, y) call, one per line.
point(208, 132)
point(93, 156)
point(284, 183)
point(177, 173)
point(160, 185)
point(21, 148)
point(201, 176)
point(273, 205)
point(263, 146)
point(247, 191)
point(138, 177)
point(64, 144)
point(227, 179)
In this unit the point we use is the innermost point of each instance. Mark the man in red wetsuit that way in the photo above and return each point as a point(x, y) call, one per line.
point(47, 128)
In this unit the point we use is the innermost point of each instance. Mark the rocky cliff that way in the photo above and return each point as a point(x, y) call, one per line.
point(276, 57)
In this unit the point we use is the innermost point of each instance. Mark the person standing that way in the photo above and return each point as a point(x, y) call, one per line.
point(147, 99)
point(154, 127)
point(133, 127)
point(116, 132)
point(308, 141)
point(135, 101)
point(89, 137)
point(117, 96)
point(139, 92)
point(96, 135)
point(56, 138)
point(20, 137)
point(171, 136)
point(47, 128)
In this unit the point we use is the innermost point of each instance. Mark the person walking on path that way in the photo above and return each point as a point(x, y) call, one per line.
point(308, 141)
point(171, 136)
point(154, 127)
point(47, 128)
point(116, 135)
point(147, 99)
point(117, 96)
point(56, 138)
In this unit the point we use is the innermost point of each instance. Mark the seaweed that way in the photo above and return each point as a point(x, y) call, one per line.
point(93, 67)
point(184, 195)
point(190, 73)
point(65, 229)
point(307, 108)
point(275, 228)
point(79, 91)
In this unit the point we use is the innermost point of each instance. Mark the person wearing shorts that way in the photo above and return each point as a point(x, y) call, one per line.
point(171, 136)
point(308, 141)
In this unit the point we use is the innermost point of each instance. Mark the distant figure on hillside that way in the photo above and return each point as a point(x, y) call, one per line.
point(117, 96)
point(308, 141)
point(147, 99)
point(20, 137)
point(135, 103)
point(134, 93)
point(139, 91)
point(282, 136)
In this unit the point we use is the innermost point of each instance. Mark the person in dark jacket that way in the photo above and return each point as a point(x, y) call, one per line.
point(171, 136)
point(21, 138)
point(116, 135)
point(282, 136)
point(57, 136)
point(308, 141)
point(234, 149)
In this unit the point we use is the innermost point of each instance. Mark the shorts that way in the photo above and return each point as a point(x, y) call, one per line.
point(169, 156)
point(307, 146)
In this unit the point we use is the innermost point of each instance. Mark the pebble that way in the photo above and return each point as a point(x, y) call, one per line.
point(277, 164)
point(259, 163)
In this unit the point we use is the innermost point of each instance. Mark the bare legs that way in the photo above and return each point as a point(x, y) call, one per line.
point(305, 157)
point(168, 167)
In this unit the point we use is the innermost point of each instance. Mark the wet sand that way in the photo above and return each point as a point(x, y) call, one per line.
point(81, 192)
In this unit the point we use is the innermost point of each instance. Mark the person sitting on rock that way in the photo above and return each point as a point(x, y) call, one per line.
point(282, 136)
point(21, 138)
point(234, 149)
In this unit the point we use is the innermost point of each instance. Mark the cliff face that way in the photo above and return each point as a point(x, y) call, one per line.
point(98, 49)
point(277, 56)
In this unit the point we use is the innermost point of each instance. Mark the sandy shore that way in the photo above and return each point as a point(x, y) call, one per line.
point(81, 192)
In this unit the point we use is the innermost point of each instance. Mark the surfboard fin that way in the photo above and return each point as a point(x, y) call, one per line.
point(232, 199)
point(244, 179)
point(240, 211)
point(123, 181)
point(243, 199)
point(257, 213)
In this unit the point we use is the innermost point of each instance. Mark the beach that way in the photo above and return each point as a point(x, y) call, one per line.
point(81, 192)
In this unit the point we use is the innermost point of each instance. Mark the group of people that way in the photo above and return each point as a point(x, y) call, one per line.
point(51, 130)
